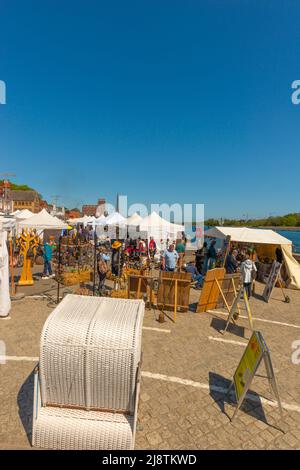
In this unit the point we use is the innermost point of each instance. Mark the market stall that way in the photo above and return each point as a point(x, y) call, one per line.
point(160, 229)
point(43, 221)
point(5, 303)
point(113, 226)
point(264, 243)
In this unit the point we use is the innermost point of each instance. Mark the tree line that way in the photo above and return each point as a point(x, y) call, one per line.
point(288, 220)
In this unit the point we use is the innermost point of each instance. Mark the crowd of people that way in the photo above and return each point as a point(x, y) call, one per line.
point(169, 256)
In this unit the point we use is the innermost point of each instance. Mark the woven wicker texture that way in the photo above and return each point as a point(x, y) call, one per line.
point(83, 430)
point(89, 353)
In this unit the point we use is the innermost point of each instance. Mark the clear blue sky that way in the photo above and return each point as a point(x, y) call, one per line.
point(165, 101)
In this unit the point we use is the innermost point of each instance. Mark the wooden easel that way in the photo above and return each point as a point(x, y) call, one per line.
point(230, 285)
point(174, 292)
point(211, 290)
point(233, 315)
point(139, 285)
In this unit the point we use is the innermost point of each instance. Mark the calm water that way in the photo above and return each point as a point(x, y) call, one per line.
point(294, 236)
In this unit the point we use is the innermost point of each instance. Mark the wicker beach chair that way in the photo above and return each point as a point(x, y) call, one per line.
point(86, 386)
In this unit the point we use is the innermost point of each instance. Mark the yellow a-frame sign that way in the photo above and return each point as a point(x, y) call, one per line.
point(255, 352)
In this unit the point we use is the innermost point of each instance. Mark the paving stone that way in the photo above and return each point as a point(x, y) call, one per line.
point(172, 415)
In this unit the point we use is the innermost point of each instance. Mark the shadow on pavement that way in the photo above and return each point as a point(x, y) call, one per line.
point(219, 324)
point(25, 404)
point(253, 407)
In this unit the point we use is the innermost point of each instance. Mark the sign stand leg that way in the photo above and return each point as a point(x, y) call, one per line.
point(223, 297)
point(175, 301)
point(272, 380)
point(246, 300)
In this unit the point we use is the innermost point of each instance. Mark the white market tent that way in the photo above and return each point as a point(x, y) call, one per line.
point(115, 218)
point(24, 214)
point(82, 220)
point(5, 303)
point(8, 223)
point(159, 228)
point(43, 221)
point(112, 221)
point(98, 221)
point(248, 235)
point(265, 237)
point(134, 219)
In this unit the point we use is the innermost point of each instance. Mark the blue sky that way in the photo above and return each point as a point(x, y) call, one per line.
point(165, 101)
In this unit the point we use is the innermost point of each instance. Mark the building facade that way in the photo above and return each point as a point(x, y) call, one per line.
point(73, 213)
point(25, 200)
point(94, 209)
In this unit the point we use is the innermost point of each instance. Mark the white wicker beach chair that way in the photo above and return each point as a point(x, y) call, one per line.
point(86, 386)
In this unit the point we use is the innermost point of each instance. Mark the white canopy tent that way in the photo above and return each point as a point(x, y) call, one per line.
point(8, 223)
point(86, 219)
point(24, 214)
point(265, 237)
point(5, 303)
point(159, 228)
point(114, 221)
point(248, 235)
point(115, 218)
point(42, 221)
point(134, 219)
point(98, 221)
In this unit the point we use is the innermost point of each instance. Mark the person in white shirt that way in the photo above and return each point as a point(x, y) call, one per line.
point(248, 272)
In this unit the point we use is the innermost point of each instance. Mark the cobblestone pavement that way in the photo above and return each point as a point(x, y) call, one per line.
point(186, 371)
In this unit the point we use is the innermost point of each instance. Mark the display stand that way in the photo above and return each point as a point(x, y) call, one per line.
point(173, 292)
point(235, 309)
point(274, 277)
point(255, 352)
point(211, 290)
point(139, 286)
point(28, 242)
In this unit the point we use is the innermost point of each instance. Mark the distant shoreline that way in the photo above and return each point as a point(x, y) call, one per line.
point(291, 229)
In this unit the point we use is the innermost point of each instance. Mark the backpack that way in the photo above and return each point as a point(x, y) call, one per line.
point(102, 266)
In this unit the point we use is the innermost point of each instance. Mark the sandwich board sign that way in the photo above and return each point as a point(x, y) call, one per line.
point(241, 296)
point(272, 279)
point(256, 351)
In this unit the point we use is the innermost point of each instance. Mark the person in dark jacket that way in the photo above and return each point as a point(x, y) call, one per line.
point(279, 255)
point(200, 256)
point(212, 255)
point(231, 263)
point(196, 276)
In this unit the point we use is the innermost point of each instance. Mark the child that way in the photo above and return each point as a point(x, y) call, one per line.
point(248, 272)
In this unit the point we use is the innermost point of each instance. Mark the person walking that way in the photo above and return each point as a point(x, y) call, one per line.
point(102, 268)
point(47, 255)
point(231, 264)
point(248, 273)
point(170, 258)
point(152, 247)
point(116, 258)
point(180, 248)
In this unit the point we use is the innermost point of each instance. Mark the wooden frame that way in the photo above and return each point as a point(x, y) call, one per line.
point(139, 285)
point(230, 285)
point(174, 291)
point(211, 290)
